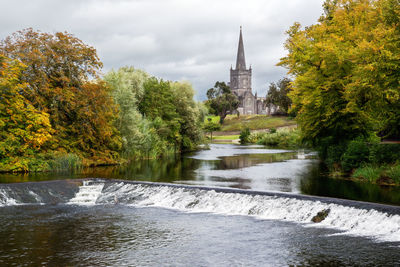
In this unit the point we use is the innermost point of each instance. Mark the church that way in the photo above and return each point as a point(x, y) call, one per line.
point(240, 84)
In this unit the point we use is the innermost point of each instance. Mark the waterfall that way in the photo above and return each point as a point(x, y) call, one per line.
point(381, 222)
point(87, 194)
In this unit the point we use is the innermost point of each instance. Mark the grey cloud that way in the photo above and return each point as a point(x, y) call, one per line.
point(174, 39)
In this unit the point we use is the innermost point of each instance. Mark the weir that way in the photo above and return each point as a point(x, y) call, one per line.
point(381, 222)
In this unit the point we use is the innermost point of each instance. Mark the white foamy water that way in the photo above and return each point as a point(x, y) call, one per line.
point(5, 199)
point(87, 194)
point(352, 221)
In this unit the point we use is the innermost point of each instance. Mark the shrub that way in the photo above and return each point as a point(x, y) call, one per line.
point(332, 155)
point(356, 154)
point(284, 138)
point(245, 136)
point(386, 153)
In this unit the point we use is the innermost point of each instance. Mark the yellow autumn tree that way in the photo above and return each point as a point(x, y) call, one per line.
point(24, 130)
point(347, 71)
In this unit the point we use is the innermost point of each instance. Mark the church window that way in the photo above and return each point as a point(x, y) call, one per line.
point(248, 102)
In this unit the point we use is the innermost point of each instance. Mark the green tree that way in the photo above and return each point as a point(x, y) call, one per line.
point(189, 114)
point(278, 95)
point(127, 88)
point(158, 101)
point(347, 71)
point(210, 127)
point(221, 100)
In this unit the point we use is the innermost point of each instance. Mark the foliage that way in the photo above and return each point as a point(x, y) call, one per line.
point(388, 174)
point(156, 116)
point(393, 172)
point(189, 114)
point(57, 76)
point(347, 71)
point(221, 100)
point(244, 136)
point(210, 126)
point(356, 154)
point(24, 130)
point(278, 96)
point(368, 172)
point(63, 162)
point(282, 138)
point(360, 152)
point(385, 153)
point(127, 88)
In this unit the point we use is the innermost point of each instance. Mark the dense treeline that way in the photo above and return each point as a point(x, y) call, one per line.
point(56, 111)
point(156, 116)
point(347, 77)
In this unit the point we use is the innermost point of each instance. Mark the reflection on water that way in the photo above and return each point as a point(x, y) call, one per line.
point(127, 236)
point(245, 167)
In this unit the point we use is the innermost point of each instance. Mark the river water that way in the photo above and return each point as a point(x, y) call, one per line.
point(230, 205)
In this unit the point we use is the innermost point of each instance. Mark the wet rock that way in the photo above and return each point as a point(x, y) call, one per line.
point(321, 216)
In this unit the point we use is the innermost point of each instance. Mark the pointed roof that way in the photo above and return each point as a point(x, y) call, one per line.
point(240, 60)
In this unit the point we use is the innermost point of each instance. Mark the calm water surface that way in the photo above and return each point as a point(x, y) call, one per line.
point(112, 223)
point(234, 166)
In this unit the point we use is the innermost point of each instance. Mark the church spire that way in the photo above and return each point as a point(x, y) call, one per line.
point(240, 60)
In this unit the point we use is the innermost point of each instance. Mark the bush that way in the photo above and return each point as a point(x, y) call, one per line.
point(386, 153)
point(244, 136)
point(332, 155)
point(356, 154)
point(284, 138)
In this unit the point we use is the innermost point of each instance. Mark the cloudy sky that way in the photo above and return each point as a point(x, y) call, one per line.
point(193, 40)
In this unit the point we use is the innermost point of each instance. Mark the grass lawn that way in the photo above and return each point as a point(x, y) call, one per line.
point(253, 122)
point(226, 137)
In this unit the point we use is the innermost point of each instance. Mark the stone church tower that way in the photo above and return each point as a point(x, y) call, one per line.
point(240, 85)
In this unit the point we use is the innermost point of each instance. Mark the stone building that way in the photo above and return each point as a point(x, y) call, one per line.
point(240, 85)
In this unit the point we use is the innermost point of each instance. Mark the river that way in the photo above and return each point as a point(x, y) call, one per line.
point(230, 205)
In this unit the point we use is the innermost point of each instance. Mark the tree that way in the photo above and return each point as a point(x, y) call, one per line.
point(221, 100)
point(24, 130)
point(347, 71)
point(60, 76)
point(127, 88)
point(211, 126)
point(158, 102)
point(189, 113)
point(278, 95)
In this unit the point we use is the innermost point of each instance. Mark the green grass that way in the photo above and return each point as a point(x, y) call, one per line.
point(226, 137)
point(369, 173)
point(393, 172)
point(254, 122)
point(378, 174)
point(213, 119)
point(233, 123)
point(65, 162)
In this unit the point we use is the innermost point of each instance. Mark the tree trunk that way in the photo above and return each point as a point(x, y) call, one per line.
point(222, 118)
